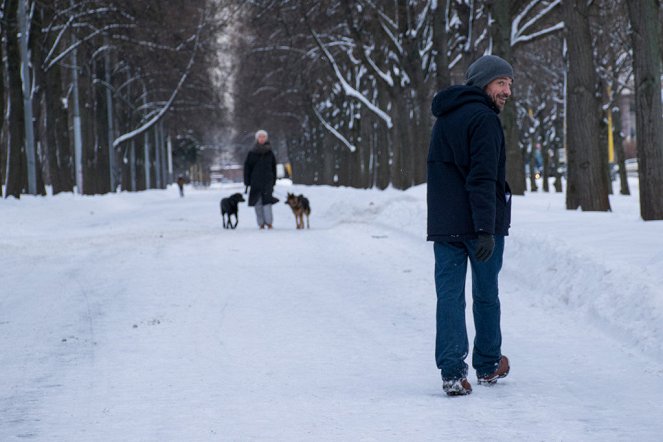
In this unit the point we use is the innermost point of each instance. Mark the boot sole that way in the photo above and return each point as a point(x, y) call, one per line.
point(492, 381)
point(459, 393)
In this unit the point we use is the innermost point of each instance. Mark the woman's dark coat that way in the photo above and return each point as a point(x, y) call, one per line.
point(260, 174)
point(467, 190)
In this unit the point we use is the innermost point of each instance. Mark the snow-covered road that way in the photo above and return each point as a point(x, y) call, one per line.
point(137, 318)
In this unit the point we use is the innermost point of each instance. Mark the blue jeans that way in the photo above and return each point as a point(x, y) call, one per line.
point(451, 345)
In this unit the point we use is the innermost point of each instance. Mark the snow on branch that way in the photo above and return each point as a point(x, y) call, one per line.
point(80, 42)
point(421, 19)
point(391, 37)
point(392, 24)
point(151, 44)
point(279, 48)
point(389, 26)
point(59, 37)
point(151, 122)
point(333, 131)
point(386, 77)
point(521, 39)
point(347, 88)
point(518, 31)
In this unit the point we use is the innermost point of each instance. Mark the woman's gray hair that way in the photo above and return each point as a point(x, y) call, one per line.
point(261, 132)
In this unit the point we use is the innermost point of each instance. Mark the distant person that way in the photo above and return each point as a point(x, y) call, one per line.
point(469, 213)
point(260, 177)
point(180, 184)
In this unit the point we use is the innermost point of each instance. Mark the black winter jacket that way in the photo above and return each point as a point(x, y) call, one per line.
point(467, 190)
point(260, 174)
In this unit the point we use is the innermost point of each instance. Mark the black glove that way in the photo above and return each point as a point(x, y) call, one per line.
point(485, 246)
point(246, 190)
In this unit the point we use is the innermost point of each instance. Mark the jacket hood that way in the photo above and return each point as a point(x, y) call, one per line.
point(456, 96)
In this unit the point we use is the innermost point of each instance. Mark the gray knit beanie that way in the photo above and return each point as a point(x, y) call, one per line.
point(487, 68)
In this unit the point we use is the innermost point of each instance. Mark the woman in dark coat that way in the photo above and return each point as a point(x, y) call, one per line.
point(260, 176)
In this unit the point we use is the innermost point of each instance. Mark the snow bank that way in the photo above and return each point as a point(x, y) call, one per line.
point(603, 267)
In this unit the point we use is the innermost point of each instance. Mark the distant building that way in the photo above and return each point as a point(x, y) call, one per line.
point(234, 173)
point(227, 173)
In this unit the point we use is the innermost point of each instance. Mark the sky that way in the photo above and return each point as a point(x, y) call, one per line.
point(136, 317)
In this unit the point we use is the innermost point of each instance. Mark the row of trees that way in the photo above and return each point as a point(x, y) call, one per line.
point(94, 93)
point(347, 85)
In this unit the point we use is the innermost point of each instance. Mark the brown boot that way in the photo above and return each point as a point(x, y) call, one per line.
point(500, 372)
point(457, 387)
point(269, 226)
point(262, 226)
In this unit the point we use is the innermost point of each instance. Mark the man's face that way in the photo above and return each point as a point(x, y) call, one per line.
point(262, 138)
point(499, 90)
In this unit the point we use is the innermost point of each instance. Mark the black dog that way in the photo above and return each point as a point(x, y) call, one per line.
point(229, 206)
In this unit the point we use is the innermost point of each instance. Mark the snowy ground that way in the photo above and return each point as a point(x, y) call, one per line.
point(135, 317)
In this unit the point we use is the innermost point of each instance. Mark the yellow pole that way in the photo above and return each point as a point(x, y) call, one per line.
point(611, 141)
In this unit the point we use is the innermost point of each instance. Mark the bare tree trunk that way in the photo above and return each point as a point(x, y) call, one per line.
point(146, 159)
point(102, 168)
point(16, 176)
point(557, 143)
point(422, 128)
point(586, 185)
point(441, 44)
point(3, 26)
point(88, 124)
point(26, 83)
point(112, 154)
point(60, 161)
point(384, 148)
point(544, 152)
point(649, 123)
point(39, 100)
point(76, 120)
point(157, 157)
point(132, 165)
point(501, 35)
point(399, 173)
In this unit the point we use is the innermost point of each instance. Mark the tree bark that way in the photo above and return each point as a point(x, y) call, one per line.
point(501, 35)
point(545, 148)
point(2, 99)
point(102, 170)
point(58, 146)
point(441, 44)
point(39, 108)
point(16, 174)
point(587, 184)
point(649, 123)
point(88, 135)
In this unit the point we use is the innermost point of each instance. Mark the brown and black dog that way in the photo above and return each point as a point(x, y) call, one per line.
point(300, 207)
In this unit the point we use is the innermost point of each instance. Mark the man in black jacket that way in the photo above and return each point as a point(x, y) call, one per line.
point(469, 206)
